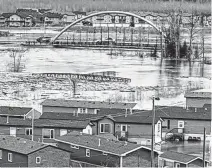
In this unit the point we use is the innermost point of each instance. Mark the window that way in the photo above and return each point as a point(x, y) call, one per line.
point(177, 165)
point(96, 111)
point(10, 157)
point(38, 160)
point(13, 131)
point(0, 154)
point(168, 124)
point(87, 152)
point(105, 128)
point(74, 146)
point(124, 128)
point(28, 131)
point(180, 124)
point(82, 110)
point(48, 133)
point(63, 132)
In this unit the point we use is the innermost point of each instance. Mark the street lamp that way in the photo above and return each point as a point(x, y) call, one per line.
point(153, 129)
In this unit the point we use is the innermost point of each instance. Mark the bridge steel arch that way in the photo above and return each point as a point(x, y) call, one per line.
point(107, 12)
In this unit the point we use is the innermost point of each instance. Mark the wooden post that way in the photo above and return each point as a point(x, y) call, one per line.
point(161, 45)
point(101, 34)
point(124, 36)
point(153, 132)
point(108, 34)
point(33, 111)
point(116, 34)
point(204, 148)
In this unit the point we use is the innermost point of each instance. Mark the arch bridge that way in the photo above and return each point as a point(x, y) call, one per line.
point(132, 15)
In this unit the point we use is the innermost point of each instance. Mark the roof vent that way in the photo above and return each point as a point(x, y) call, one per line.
point(3, 138)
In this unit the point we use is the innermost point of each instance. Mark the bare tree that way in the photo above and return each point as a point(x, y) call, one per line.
point(16, 64)
point(192, 31)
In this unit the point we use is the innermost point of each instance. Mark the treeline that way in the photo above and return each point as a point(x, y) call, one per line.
point(165, 6)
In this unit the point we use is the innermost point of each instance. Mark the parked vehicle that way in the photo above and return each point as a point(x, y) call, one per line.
point(107, 41)
point(44, 39)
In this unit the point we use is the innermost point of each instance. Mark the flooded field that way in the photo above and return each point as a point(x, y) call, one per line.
point(167, 79)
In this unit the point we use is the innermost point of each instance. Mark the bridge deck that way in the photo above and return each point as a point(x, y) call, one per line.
point(86, 77)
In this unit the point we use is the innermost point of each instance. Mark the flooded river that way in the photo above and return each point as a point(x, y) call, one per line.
point(164, 78)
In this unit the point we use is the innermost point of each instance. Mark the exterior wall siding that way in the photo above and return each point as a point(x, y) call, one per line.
point(50, 157)
point(18, 160)
point(64, 110)
point(96, 157)
point(139, 158)
point(20, 132)
point(191, 126)
point(197, 102)
point(36, 114)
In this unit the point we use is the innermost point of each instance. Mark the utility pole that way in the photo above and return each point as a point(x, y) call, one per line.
point(204, 147)
point(153, 130)
point(33, 111)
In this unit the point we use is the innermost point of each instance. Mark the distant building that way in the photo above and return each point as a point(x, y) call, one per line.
point(19, 152)
point(82, 106)
point(19, 112)
point(173, 159)
point(52, 18)
point(79, 14)
point(68, 18)
point(104, 152)
point(197, 98)
point(44, 130)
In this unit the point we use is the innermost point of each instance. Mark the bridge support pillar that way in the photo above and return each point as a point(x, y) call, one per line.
point(74, 86)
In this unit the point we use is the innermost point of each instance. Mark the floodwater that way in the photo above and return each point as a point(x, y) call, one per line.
point(166, 79)
point(172, 78)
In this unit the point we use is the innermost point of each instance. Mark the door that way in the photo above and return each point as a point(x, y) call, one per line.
point(13, 131)
point(123, 130)
point(180, 126)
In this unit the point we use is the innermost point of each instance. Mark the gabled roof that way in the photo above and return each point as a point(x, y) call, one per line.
point(86, 104)
point(14, 111)
point(19, 145)
point(130, 118)
point(7, 15)
point(179, 157)
point(53, 15)
point(79, 12)
point(175, 112)
point(92, 142)
point(45, 123)
point(135, 119)
point(203, 93)
point(66, 116)
point(72, 116)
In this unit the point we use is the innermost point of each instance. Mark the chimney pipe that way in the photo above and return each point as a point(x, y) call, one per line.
point(99, 142)
point(126, 113)
point(24, 116)
point(7, 119)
